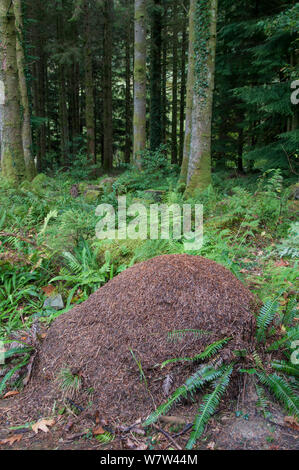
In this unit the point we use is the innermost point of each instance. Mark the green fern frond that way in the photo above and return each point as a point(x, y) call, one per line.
point(286, 367)
point(262, 401)
point(291, 335)
point(283, 391)
point(257, 360)
point(290, 313)
point(196, 381)
point(265, 317)
point(209, 405)
point(105, 438)
point(210, 351)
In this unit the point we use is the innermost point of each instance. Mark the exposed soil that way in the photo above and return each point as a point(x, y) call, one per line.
point(134, 312)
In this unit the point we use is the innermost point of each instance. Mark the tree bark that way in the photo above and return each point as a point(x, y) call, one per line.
point(140, 81)
point(183, 91)
point(155, 76)
point(128, 104)
point(26, 125)
point(12, 161)
point(199, 167)
point(89, 88)
point(108, 125)
point(189, 98)
point(174, 142)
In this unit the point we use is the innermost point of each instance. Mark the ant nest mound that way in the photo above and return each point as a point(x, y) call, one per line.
point(116, 340)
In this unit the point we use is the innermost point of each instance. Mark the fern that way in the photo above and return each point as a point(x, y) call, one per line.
point(210, 351)
point(257, 360)
point(286, 367)
point(292, 334)
point(283, 391)
point(196, 381)
point(209, 405)
point(290, 313)
point(262, 401)
point(265, 317)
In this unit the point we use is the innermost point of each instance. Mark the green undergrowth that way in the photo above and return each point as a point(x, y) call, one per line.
point(48, 242)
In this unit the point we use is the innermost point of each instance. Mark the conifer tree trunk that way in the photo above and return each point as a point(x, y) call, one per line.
point(89, 88)
point(108, 130)
point(174, 145)
point(63, 110)
point(128, 104)
point(12, 160)
point(26, 125)
point(155, 76)
point(164, 78)
point(199, 167)
point(189, 98)
point(140, 81)
point(183, 91)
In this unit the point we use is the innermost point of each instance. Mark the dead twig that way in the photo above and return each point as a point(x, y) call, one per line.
point(169, 437)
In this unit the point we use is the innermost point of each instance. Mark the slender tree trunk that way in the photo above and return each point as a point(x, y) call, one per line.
point(63, 110)
point(240, 150)
point(174, 144)
point(26, 126)
point(199, 168)
point(89, 88)
point(164, 78)
point(128, 104)
point(189, 98)
point(140, 81)
point(183, 91)
point(156, 74)
point(12, 161)
point(108, 126)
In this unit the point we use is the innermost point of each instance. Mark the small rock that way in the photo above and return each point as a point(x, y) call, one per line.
point(54, 302)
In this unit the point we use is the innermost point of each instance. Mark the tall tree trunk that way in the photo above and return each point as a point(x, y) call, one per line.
point(89, 88)
point(12, 161)
point(155, 76)
point(128, 104)
point(140, 81)
point(183, 91)
point(199, 168)
point(164, 105)
point(174, 141)
point(189, 98)
point(108, 125)
point(26, 125)
point(240, 149)
point(63, 110)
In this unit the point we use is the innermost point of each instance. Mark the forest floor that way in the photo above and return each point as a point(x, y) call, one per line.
point(245, 429)
point(250, 227)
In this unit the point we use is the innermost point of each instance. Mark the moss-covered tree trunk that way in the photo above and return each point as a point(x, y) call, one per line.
point(89, 87)
point(174, 127)
point(12, 159)
point(189, 98)
point(199, 166)
point(164, 105)
point(26, 125)
point(183, 89)
point(155, 75)
point(128, 103)
point(140, 81)
point(107, 86)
